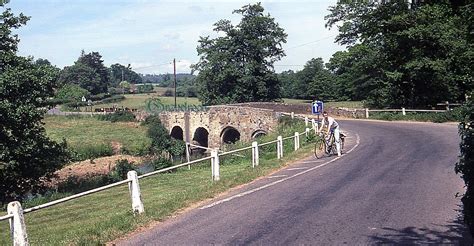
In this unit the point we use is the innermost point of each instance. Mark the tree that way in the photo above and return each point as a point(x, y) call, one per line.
point(125, 85)
point(72, 93)
point(27, 156)
point(119, 73)
point(88, 72)
point(238, 65)
point(418, 50)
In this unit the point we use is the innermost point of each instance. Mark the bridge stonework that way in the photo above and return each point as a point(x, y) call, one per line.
point(220, 124)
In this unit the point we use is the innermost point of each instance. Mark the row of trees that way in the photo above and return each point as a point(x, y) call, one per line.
point(399, 54)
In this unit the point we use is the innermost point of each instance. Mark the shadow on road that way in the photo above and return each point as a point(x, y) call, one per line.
point(453, 233)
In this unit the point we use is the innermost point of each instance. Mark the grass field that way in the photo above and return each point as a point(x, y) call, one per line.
point(137, 101)
point(101, 217)
point(89, 131)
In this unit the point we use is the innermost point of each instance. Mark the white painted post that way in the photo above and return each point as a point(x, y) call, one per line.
point(188, 154)
point(280, 147)
point(255, 156)
point(403, 112)
point(292, 115)
point(306, 121)
point(17, 224)
point(215, 165)
point(313, 123)
point(306, 131)
point(297, 141)
point(134, 188)
point(366, 113)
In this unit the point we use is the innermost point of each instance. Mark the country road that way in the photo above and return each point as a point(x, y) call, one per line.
point(394, 184)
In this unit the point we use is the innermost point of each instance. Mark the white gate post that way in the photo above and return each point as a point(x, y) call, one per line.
point(255, 156)
point(280, 147)
point(292, 115)
point(215, 165)
point(404, 112)
point(17, 224)
point(134, 188)
point(366, 113)
point(297, 141)
point(306, 121)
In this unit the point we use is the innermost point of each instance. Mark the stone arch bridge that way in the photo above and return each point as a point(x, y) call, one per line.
point(216, 125)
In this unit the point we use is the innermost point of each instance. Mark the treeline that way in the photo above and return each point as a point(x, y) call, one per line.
point(399, 55)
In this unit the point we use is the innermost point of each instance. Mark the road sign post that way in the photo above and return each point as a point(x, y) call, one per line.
point(317, 108)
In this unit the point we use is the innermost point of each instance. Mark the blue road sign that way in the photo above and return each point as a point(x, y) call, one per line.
point(317, 107)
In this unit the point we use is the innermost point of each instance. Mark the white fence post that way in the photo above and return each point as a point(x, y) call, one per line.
point(280, 147)
point(297, 141)
point(188, 154)
point(306, 121)
point(292, 115)
point(366, 113)
point(215, 165)
point(313, 123)
point(403, 112)
point(255, 156)
point(134, 188)
point(306, 131)
point(17, 224)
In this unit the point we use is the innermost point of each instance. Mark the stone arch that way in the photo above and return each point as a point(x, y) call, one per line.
point(230, 135)
point(259, 133)
point(177, 133)
point(201, 136)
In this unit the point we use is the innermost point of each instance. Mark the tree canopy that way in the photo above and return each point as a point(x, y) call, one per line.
point(417, 54)
point(27, 156)
point(237, 66)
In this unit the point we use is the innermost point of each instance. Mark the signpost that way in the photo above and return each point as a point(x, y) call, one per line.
point(317, 108)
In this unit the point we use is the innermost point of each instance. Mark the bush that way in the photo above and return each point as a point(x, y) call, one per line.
point(100, 96)
point(122, 167)
point(80, 153)
point(168, 93)
point(72, 92)
point(113, 99)
point(465, 166)
point(119, 116)
point(161, 163)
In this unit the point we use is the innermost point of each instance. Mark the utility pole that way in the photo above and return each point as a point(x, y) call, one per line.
point(174, 65)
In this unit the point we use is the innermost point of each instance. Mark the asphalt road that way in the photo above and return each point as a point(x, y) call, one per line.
point(394, 184)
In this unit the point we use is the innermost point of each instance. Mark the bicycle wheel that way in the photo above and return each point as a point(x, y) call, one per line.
point(331, 146)
point(319, 148)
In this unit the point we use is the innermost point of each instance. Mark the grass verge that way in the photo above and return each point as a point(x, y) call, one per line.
point(104, 216)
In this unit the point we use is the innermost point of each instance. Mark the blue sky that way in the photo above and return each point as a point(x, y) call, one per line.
point(149, 34)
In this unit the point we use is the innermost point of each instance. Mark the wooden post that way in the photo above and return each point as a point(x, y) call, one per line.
point(17, 224)
point(297, 141)
point(280, 147)
point(134, 188)
point(255, 156)
point(215, 165)
point(366, 113)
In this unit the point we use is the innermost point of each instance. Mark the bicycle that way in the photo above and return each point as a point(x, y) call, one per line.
point(327, 146)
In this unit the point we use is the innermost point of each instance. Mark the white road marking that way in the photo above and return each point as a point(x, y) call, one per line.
point(297, 168)
point(276, 176)
point(281, 180)
point(312, 161)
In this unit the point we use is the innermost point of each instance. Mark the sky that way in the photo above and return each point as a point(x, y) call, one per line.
point(149, 34)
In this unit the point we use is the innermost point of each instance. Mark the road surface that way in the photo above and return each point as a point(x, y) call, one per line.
point(394, 184)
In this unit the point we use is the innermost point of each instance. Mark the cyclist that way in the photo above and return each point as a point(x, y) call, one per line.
point(333, 126)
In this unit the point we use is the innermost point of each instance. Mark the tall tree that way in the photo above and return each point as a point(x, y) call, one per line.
point(88, 72)
point(238, 65)
point(419, 48)
point(119, 73)
point(27, 156)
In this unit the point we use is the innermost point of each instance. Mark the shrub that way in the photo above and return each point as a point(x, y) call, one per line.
point(119, 116)
point(161, 163)
point(168, 93)
point(122, 167)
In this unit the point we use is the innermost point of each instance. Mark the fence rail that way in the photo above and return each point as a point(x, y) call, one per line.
point(15, 211)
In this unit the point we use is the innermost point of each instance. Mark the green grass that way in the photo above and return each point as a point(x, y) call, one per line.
point(86, 131)
point(137, 101)
point(104, 216)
